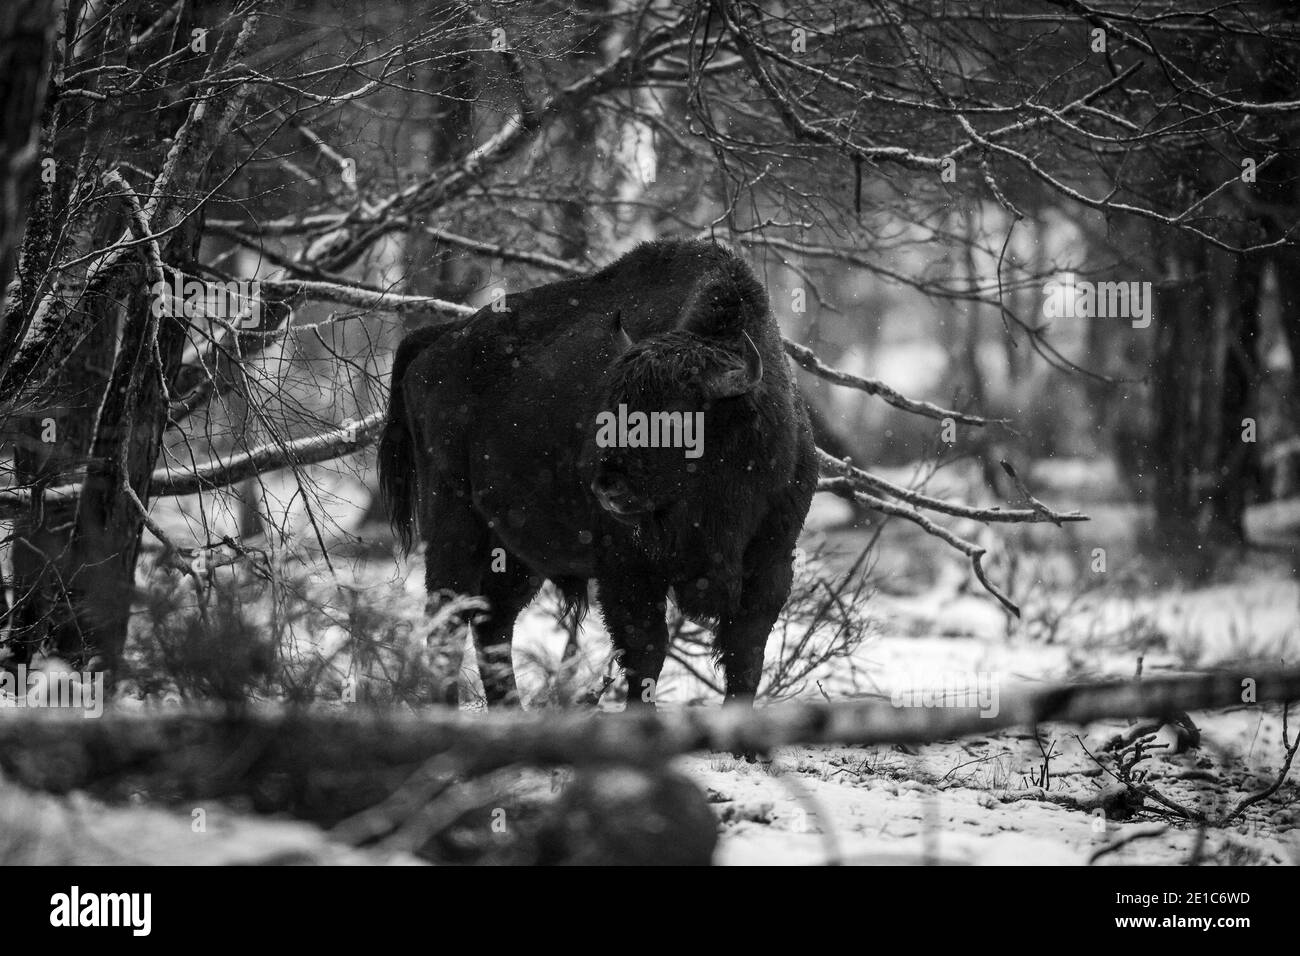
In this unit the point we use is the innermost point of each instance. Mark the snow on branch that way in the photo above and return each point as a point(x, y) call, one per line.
point(865, 481)
point(217, 472)
point(857, 485)
point(806, 358)
point(360, 297)
point(349, 437)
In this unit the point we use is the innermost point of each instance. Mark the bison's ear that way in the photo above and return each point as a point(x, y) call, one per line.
point(622, 341)
point(734, 382)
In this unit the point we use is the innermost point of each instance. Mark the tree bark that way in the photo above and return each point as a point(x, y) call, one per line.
point(1238, 468)
point(76, 581)
point(1185, 313)
point(26, 41)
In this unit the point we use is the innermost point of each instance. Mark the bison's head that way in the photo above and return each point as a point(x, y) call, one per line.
point(668, 411)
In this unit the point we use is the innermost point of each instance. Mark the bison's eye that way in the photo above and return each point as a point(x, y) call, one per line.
point(609, 483)
point(617, 495)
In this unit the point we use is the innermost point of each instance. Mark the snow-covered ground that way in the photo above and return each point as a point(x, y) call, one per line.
point(1097, 602)
point(978, 800)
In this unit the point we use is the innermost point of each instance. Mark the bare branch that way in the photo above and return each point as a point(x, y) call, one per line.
point(807, 359)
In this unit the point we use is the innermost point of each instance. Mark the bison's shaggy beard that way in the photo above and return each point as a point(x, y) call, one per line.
point(574, 600)
point(668, 536)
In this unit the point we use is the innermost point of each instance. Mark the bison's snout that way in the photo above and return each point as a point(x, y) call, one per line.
point(615, 494)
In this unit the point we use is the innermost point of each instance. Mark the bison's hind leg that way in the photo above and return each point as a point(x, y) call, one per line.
point(508, 586)
point(463, 557)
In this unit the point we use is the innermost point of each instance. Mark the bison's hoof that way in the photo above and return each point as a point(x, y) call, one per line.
point(752, 756)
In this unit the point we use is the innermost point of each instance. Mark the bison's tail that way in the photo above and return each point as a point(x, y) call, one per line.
point(397, 483)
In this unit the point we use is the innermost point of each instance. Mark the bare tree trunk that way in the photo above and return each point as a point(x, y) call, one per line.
point(101, 559)
point(26, 35)
point(52, 442)
point(1178, 428)
point(1287, 270)
point(446, 135)
point(56, 441)
point(80, 579)
point(1237, 476)
point(964, 358)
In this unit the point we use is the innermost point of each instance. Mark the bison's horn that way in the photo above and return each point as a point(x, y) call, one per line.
point(735, 382)
point(622, 341)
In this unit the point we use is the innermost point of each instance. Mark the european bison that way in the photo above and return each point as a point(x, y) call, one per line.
point(515, 449)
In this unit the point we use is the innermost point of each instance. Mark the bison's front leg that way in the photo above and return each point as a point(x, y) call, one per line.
point(633, 608)
point(742, 640)
point(742, 637)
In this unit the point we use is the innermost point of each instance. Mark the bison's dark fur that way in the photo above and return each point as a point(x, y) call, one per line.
point(490, 444)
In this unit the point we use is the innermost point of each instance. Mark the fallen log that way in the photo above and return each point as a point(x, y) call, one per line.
point(325, 765)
